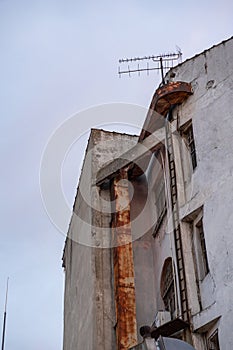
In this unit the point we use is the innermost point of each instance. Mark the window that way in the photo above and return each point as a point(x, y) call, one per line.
point(187, 134)
point(160, 198)
point(213, 342)
point(200, 232)
point(168, 287)
point(159, 192)
point(200, 249)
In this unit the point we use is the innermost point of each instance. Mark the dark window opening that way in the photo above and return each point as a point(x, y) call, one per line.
point(200, 231)
point(213, 342)
point(160, 200)
point(159, 190)
point(189, 139)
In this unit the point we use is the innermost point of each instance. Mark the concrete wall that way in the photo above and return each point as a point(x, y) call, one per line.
point(89, 313)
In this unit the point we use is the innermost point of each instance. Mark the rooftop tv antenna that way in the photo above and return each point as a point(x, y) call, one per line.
point(161, 62)
point(4, 317)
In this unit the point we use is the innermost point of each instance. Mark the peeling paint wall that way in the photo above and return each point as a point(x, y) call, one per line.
point(208, 188)
point(211, 111)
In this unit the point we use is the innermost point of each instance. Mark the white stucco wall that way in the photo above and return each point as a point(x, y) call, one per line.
point(211, 110)
point(208, 188)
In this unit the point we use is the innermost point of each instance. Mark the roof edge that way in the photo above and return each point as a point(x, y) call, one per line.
point(199, 54)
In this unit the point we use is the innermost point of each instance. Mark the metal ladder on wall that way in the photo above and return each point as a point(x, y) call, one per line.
point(176, 223)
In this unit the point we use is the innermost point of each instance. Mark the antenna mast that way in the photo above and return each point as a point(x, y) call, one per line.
point(4, 319)
point(161, 62)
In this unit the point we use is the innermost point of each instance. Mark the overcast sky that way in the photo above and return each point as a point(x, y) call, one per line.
point(59, 58)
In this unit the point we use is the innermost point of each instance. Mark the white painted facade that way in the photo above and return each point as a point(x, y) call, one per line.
point(211, 110)
point(205, 197)
point(205, 193)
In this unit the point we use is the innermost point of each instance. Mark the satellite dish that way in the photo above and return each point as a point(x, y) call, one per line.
point(173, 344)
point(163, 343)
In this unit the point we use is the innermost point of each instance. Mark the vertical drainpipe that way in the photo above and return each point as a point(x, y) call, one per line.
point(124, 284)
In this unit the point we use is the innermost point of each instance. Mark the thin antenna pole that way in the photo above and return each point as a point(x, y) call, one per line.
point(161, 67)
point(4, 319)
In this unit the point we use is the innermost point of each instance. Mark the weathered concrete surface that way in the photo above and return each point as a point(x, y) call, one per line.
point(208, 188)
point(89, 312)
point(211, 111)
point(142, 218)
point(138, 155)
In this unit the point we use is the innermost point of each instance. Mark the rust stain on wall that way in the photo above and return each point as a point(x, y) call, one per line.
point(126, 327)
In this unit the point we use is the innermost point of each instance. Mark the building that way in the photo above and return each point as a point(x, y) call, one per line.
point(150, 241)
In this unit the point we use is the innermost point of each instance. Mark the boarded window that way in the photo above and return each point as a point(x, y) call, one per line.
point(168, 287)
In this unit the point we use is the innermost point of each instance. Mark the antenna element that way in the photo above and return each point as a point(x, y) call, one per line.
point(161, 62)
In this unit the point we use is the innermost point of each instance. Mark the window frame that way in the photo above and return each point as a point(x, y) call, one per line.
point(167, 287)
point(187, 134)
point(212, 341)
point(159, 192)
point(199, 248)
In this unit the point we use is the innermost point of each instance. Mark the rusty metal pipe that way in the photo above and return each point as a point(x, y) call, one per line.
point(124, 284)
